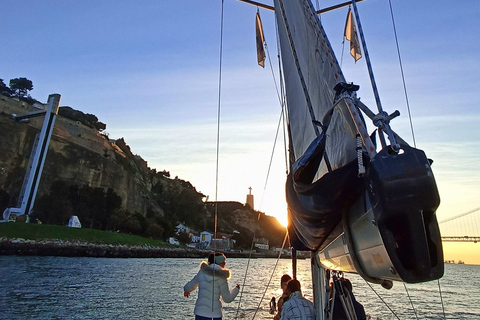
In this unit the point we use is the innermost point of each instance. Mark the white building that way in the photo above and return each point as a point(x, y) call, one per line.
point(261, 243)
point(182, 228)
point(206, 236)
point(172, 240)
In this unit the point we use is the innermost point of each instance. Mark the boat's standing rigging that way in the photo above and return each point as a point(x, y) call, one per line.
point(282, 117)
point(217, 162)
point(381, 120)
point(403, 75)
point(218, 140)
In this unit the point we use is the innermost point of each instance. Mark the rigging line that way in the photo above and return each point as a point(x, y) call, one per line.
point(245, 276)
point(403, 75)
point(282, 93)
point(271, 156)
point(273, 73)
point(268, 174)
point(343, 48)
point(441, 298)
point(273, 272)
point(278, 126)
point(285, 149)
point(385, 303)
point(218, 118)
point(410, 299)
point(218, 145)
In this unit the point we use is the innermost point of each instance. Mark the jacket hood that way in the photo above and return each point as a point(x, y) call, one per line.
point(214, 270)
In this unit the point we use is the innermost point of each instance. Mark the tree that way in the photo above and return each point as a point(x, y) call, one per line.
point(184, 238)
point(4, 200)
point(21, 86)
point(4, 89)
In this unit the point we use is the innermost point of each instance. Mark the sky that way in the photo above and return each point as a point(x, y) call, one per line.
point(150, 71)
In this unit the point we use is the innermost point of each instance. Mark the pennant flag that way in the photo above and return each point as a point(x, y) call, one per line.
point(350, 34)
point(260, 41)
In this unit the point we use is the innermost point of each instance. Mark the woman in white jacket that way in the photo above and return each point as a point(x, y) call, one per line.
point(212, 283)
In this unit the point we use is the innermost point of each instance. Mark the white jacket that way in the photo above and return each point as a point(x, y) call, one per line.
point(208, 282)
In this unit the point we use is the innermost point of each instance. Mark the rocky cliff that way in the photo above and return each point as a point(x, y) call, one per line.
point(78, 155)
point(81, 155)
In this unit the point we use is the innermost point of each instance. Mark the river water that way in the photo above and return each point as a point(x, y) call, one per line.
point(102, 288)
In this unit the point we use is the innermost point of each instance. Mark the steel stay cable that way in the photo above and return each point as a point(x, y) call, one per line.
point(273, 272)
point(410, 299)
point(414, 143)
point(245, 276)
point(218, 144)
point(441, 298)
point(403, 76)
point(266, 181)
point(384, 302)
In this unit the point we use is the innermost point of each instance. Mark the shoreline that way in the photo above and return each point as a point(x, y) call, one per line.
point(63, 248)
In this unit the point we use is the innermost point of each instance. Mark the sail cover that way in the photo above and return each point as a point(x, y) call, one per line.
point(323, 175)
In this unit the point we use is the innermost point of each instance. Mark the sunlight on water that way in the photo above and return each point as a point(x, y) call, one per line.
point(95, 288)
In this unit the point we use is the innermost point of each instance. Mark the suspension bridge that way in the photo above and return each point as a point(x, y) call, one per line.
point(464, 227)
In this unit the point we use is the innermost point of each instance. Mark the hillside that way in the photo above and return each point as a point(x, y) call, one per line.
point(105, 184)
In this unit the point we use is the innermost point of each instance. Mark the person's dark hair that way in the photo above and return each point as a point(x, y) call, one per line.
point(285, 278)
point(211, 257)
point(347, 284)
point(293, 285)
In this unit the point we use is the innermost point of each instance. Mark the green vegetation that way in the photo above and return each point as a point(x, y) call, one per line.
point(38, 232)
point(21, 86)
point(87, 119)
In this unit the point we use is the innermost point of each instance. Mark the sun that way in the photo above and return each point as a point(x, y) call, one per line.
point(282, 219)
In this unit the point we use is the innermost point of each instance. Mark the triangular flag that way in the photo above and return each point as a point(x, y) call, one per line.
point(350, 34)
point(260, 41)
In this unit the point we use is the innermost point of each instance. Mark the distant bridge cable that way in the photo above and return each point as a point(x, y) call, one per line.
point(460, 215)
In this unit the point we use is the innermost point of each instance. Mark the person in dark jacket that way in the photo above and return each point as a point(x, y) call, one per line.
point(339, 312)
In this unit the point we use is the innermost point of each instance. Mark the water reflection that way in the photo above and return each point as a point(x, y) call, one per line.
point(95, 288)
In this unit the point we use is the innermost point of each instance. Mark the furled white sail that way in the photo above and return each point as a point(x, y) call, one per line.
point(335, 191)
point(311, 72)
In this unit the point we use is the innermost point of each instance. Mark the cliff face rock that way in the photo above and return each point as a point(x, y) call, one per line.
point(80, 155)
point(77, 154)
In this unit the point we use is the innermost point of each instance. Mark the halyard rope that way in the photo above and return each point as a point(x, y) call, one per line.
point(282, 117)
point(218, 144)
point(403, 76)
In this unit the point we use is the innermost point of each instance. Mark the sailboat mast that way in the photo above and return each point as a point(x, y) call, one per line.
point(382, 118)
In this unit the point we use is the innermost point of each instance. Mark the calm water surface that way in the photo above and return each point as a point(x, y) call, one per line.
point(96, 288)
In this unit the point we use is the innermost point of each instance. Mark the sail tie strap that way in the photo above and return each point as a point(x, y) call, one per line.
point(361, 167)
